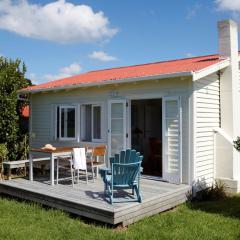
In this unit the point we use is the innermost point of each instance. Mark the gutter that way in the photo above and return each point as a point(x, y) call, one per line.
point(109, 82)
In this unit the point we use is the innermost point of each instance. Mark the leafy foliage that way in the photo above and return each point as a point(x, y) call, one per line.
point(3, 152)
point(11, 80)
point(216, 192)
point(236, 143)
point(3, 156)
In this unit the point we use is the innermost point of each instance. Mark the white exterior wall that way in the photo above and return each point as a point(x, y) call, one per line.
point(207, 117)
point(230, 99)
point(43, 115)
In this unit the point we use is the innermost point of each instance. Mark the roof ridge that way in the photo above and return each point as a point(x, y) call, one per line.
point(187, 64)
point(144, 64)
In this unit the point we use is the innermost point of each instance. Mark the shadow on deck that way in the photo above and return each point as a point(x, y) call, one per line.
point(88, 200)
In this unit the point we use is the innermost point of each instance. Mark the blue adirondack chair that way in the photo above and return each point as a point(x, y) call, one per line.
point(123, 174)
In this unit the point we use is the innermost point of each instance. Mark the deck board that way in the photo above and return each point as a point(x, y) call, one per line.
point(88, 200)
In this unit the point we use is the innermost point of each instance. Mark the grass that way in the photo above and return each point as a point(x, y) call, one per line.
point(198, 220)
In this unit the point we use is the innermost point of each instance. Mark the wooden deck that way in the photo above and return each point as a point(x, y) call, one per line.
point(88, 200)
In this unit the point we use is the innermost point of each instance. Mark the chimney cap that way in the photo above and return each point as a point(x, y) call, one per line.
point(227, 22)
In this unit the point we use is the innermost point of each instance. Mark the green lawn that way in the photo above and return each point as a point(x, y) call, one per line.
point(206, 220)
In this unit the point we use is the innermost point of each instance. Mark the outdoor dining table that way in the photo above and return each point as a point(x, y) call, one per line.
point(59, 151)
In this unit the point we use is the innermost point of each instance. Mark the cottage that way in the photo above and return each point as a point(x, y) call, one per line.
point(182, 115)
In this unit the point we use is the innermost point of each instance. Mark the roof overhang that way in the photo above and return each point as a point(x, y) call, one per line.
point(195, 76)
point(109, 82)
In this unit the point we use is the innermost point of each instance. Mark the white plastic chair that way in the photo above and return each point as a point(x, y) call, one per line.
point(77, 162)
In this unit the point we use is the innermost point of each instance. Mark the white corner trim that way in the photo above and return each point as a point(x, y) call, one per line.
point(211, 69)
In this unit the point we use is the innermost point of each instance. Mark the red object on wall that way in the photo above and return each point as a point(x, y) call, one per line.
point(25, 111)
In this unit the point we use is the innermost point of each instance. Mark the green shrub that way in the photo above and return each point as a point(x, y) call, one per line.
point(216, 192)
point(3, 152)
point(12, 78)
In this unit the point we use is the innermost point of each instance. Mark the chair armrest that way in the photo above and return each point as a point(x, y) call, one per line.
point(104, 172)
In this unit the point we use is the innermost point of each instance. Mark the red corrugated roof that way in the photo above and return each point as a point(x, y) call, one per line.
point(193, 64)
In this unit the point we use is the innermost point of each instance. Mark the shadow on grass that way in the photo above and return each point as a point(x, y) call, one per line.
point(228, 207)
point(46, 208)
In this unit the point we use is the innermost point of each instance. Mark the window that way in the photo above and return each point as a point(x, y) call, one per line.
point(90, 122)
point(96, 122)
point(65, 119)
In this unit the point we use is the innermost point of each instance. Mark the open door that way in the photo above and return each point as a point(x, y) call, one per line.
point(116, 126)
point(172, 140)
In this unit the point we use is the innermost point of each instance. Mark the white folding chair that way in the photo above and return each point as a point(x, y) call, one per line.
point(77, 163)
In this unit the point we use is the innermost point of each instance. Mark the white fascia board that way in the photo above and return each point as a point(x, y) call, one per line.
point(211, 69)
point(108, 82)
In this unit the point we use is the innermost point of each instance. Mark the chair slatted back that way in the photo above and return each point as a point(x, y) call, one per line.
point(125, 167)
point(99, 151)
point(125, 174)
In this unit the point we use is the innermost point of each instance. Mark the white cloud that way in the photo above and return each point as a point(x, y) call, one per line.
point(102, 56)
point(189, 55)
point(192, 12)
point(33, 78)
point(229, 5)
point(58, 21)
point(72, 69)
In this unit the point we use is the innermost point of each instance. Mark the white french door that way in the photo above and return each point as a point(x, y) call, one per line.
point(172, 139)
point(116, 126)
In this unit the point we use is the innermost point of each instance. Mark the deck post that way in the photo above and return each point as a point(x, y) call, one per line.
point(52, 169)
point(30, 166)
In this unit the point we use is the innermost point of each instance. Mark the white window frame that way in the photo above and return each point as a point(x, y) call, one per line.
point(83, 117)
point(110, 102)
point(60, 122)
point(164, 133)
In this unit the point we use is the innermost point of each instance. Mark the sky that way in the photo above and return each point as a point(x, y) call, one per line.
point(57, 39)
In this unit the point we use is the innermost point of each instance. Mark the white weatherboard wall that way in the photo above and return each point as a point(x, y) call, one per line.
point(224, 146)
point(227, 158)
point(207, 117)
point(43, 116)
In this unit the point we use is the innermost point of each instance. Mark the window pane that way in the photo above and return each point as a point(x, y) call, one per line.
point(62, 123)
point(117, 110)
point(116, 144)
point(117, 126)
point(88, 122)
point(70, 122)
point(96, 122)
point(58, 122)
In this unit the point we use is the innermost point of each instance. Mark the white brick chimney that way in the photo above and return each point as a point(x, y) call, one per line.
point(229, 87)
point(228, 38)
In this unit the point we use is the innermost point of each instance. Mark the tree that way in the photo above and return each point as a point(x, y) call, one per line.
point(12, 78)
